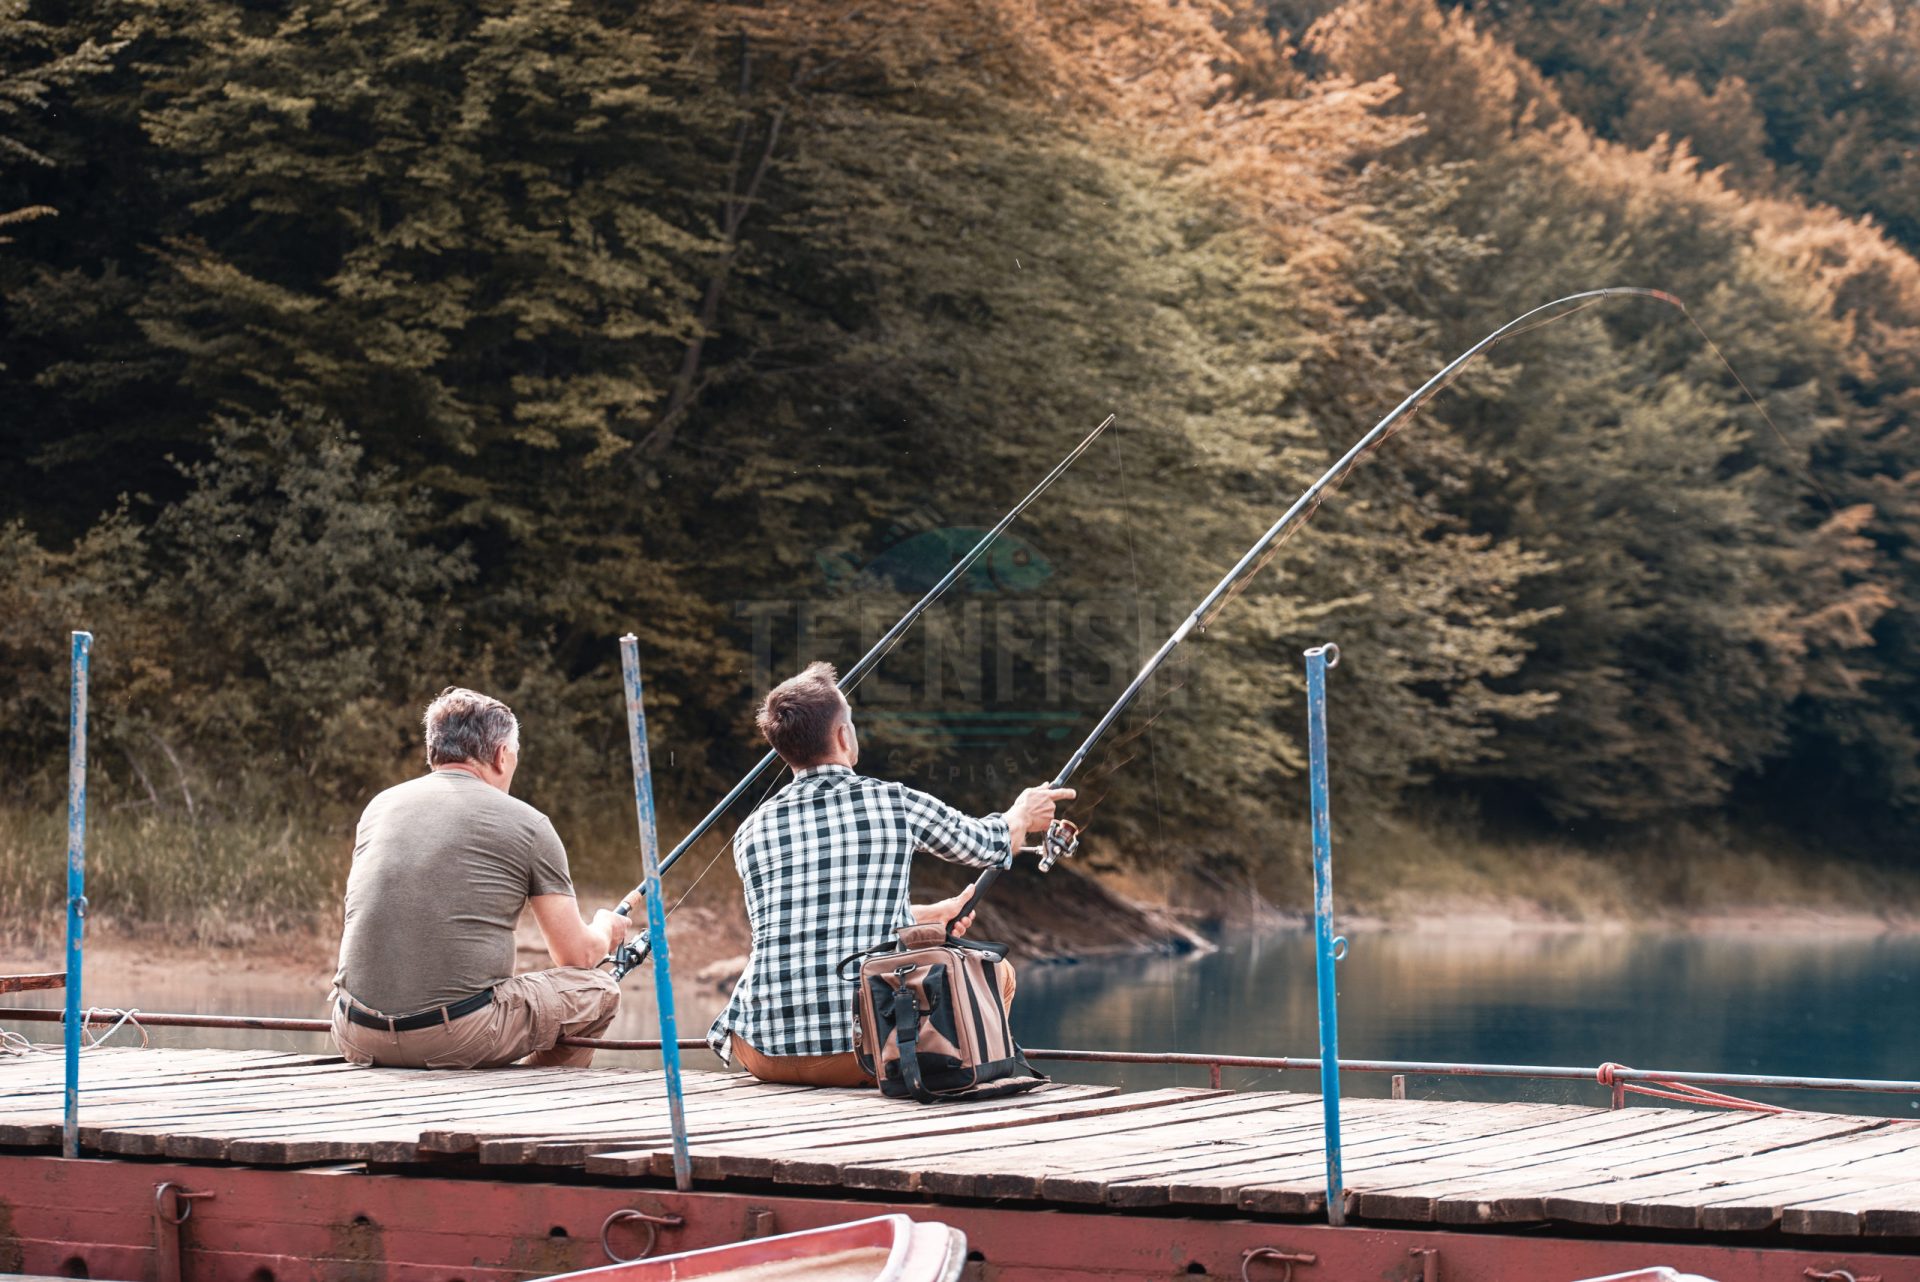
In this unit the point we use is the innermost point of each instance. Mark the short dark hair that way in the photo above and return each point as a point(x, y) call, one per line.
point(799, 714)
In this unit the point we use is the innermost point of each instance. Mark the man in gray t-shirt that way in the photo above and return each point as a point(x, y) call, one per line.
point(442, 867)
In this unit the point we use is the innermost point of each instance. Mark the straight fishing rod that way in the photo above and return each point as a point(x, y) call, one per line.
point(1063, 835)
point(634, 951)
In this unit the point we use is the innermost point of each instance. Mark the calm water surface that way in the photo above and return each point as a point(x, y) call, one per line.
point(1800, 1006)
point(1796, 1005)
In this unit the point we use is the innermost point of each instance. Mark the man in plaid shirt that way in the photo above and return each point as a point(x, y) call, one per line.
point(825, 865)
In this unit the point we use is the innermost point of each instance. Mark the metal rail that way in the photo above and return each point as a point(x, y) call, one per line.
point(1196, 1059)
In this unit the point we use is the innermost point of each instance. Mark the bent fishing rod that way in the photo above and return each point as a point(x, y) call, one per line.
point(633, 952)
point(1063, 835)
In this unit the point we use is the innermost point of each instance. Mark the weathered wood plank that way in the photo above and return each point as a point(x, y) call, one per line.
point(1845, 1211)
point(1509, 1188)
point(1606, 1196)
point(1450, 1162)
point(1678, 1198)
point(330, 1102)
point(365, 1095)
point(1016, 1167)
point(821, 1164)
point(383, 1130)
point(388, 1132)
point(42, 1072)
point(23, 1116)
point(738, 1146)
point(1077, 1166)
point(1407, 1187)
point(798, 1161)
point(1288, 1167)
point(469, 1136)
point(1290, 1178)
point(790, 1109)
point(1884, 1160)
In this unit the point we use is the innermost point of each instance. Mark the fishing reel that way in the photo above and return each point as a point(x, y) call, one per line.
point(631, 953)
point(1062, 839)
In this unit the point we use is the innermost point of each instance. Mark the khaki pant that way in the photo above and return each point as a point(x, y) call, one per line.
point(527, 1017)
point(801, 1070)
point(833, 1070)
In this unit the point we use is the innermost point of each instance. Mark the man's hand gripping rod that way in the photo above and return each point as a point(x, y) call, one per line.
point(634, 951)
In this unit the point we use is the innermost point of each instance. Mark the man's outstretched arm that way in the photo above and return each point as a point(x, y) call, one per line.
point(941, 830)
point(571, 941)
point(983, 843)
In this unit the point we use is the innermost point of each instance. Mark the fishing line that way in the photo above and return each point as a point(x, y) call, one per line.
point(890, 644)
point(1447, 379)
point(779, 782)
point(1308, 503)
point(1806, 471)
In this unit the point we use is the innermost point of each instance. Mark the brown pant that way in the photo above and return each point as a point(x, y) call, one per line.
point(832, 1070)
point(527, 1017)
point(801, 1070)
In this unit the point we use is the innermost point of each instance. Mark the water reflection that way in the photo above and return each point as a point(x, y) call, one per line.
point(1798, 1005)
point(1811, 1006)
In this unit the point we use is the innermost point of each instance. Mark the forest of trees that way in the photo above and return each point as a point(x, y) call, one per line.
point(352, 350)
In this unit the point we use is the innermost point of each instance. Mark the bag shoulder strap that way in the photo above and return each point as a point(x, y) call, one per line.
point(854, 960)
point(906, 1031)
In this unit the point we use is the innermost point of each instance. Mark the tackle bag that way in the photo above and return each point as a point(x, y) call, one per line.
point(928, 1020)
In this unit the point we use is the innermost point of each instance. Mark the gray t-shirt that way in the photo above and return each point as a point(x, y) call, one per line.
point(442, 866)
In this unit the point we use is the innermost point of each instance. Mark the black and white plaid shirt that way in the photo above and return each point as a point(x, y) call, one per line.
point(825, 865)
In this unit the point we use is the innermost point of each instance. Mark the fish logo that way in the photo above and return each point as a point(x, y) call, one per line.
point(915, 563)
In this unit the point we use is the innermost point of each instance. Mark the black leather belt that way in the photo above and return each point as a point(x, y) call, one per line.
point(422, 1019)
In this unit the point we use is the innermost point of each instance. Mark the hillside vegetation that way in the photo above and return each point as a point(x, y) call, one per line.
point(351, 350)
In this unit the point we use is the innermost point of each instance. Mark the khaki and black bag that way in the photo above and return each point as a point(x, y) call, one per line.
point(929, 1023)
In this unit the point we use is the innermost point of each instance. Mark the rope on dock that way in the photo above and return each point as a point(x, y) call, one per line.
point(1681, 1092)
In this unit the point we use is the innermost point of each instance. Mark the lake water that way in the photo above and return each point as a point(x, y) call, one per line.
point(1804, 1005)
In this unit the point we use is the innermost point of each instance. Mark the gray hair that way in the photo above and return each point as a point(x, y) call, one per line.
point(465, 725)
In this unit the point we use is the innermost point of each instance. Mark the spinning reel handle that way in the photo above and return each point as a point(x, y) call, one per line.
point(1063, 838)
point(630, 954)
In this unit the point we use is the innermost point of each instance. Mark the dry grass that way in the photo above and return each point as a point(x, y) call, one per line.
point(222, 881)
point(1408, 869)
point(229, 882)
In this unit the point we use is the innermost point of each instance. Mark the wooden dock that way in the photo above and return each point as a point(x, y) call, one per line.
point(1066, 1147)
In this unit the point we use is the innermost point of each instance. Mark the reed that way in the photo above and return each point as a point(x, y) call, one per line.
point(223, 880)
point(228, 880)
point(1437, 864)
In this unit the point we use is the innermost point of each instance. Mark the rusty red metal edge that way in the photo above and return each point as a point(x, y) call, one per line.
point(254, 1225)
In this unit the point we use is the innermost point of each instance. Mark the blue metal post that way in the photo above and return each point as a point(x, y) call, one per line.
point(656, 910)
point(76, 882)
point(1328, 949)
